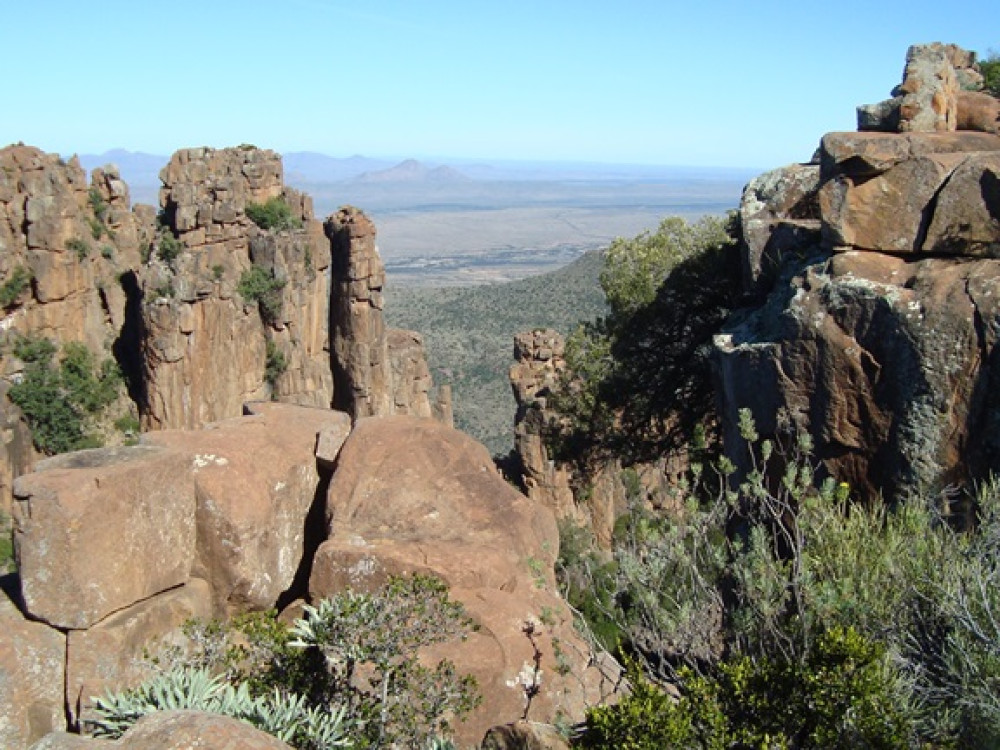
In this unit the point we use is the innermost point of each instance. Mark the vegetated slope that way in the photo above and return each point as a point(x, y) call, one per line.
point(469, 335)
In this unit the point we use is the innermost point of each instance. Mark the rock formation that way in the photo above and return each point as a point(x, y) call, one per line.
point(118, 547)
point(201, 308)
point(878, 335)
point(205, 346)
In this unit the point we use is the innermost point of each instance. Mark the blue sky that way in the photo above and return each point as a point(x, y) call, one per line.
point(739, 84)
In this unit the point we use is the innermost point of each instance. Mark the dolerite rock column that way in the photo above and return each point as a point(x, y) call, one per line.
point(362, 375)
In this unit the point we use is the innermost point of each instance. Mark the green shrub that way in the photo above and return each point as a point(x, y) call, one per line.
point(845, 694)
point(78, 246)
point(273, 215)
point(11, 289)
point(356, 653)
point(275, 364)
point(217, 271)
point(990, 68)
point(6, 545)
point(168, 247)
point(259, 285)
point(107, 252)
point(58, 401)
point(98, 205)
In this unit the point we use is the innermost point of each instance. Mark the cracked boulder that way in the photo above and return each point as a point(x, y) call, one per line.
point(912, 194)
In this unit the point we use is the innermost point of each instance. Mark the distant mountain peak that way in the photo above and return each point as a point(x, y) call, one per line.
point(412, 170)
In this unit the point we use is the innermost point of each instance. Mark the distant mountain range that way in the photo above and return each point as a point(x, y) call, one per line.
point(141, 170)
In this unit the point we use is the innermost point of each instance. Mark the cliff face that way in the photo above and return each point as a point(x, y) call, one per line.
point(877, 327)
point(205, 345)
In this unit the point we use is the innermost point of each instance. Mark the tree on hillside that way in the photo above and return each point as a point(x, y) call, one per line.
point(638, 380)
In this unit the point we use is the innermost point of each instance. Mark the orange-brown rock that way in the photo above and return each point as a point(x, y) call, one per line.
point(524, 735)
point(205, 347)
point(538, 363)
point(173, 730)
point(255, 478)
point(929, 89)
point(910, 194)
point(31, 676)
point(411, 378)
point(978, 110)
point(410, 495)
point(109, 656)
point(98, 530)
point(361, 368)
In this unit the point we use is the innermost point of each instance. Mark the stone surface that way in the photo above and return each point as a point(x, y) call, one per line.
point(978, 111)
point(205, 348)
point(966, 212)
point(109, 655)
point(256, 479)
point(173, 730)
point(929, 89)
point(885, 213)
point(863, 155)
point(524, 735)
point(98, 530)
point(361, 368)
point(538, 363)
point(411, 378)
point(779, 211)
point(411, 495)
point(31, 677)
point(889, 364)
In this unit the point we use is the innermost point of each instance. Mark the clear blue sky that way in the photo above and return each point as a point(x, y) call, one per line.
point(744, 83)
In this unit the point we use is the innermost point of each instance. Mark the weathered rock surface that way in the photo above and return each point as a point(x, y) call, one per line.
point(524, 735)
point(779, 211)
point(255, 479)
point(910, 194)
point(538, 362)
point(96, 531)
point(879, 341)
point(361, 368)
point(109, 656)
point(931, 97)
point(978, 111)
point(889, 364)
point(173, 730)
point(410, 495)
point(31, 675)
point(377, 371)
point(205, 347)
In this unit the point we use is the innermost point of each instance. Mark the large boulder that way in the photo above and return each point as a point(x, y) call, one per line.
point(173, 730)
point(412, 496)
point(255, 479)
point(923, 194)
point(31, 677)
point(929, 89)
point(98, 530)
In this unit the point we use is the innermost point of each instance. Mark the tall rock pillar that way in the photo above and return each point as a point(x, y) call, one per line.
point(362, 375)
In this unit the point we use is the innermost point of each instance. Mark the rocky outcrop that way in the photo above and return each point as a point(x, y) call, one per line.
point(878, 337)
point(377, 371)
point(412, 496)
point(538, 363)
point(928, 99)
point(207, 347)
